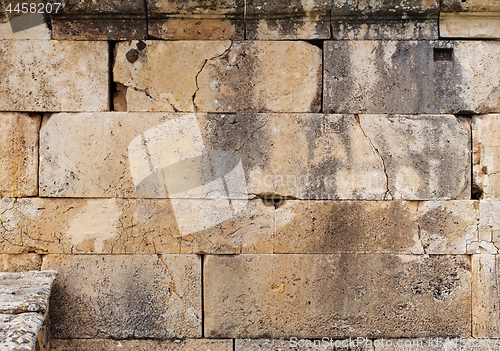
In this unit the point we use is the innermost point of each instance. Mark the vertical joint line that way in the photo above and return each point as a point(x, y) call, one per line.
point(202, 297)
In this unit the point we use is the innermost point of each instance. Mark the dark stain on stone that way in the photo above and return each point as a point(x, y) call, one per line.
point(132, 55)
point(141, 45)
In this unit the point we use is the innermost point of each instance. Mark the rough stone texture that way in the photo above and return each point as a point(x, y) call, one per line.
point(20, 263)
point(437, 344)
point(288, 19)
point(26, 291)
point(489, 223)
point(19, 154)
point(315, 296)
point(142, 345)
point(385, 8)
point(196, 20)
point(100, 20)
point(299, 345)
point(212, 76)
point(486, 155)
point(340, 156)
point(480, 25)
point(412, 77)
point(49, 75)
point(485, 309)
point(470, 6)
point(122, 296)
point(23, 26)
point(128, 226)
point(19, 332)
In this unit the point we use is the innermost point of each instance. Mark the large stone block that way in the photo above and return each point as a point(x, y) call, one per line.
point(20, 263)
point(315, 296)
point(100, 20)
point(49, 75)
point(294, 344)
point(19, 134)
point(280, 19)
point(130, 226)
point(486, 155)
point(201, 20)
point(336, 156)
point(142, 345)
point(18, 25)
point(412, 77)
point(125, 297)
point(213, 76)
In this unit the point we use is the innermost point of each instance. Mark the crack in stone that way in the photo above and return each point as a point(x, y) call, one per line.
point(387, 190)
point(251, 135)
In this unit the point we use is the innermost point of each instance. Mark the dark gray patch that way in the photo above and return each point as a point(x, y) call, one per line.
point(132, 55)
point(141, 45)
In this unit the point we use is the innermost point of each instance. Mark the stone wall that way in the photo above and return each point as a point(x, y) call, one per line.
point(254, 175)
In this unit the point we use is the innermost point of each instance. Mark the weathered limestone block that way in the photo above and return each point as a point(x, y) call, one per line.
point(125, 296)
point(485, 309)
point(25, 292)
point(130, 226)
point(470, 6)
point(100, 20)
point(437, 344)
point(142, 345)
point(315, 296)
point(19, 154)
point(412, 77)
point(18, 25)
point(300, 344)
point(201, 20)
point(20, 263)
point(280, 19)
point(385, 20)
point(213, 76)
point(336, 156)
point(486, 155)
point(489, 226)
point(18, 332)
point(49, 75)
point(480, 25)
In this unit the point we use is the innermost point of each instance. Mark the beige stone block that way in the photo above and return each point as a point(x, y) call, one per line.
point(19, 154)
point(486, 151)
point(212, 76)
point(125, 297)
point(485, 310)
point(294, 344)
point(489, 221)
point(477, 25)
point(19, 331)
point(315, 296)
point(50, 76)
point(20, 263)
point(126, 226)
point(18, 25)
point(141, 345)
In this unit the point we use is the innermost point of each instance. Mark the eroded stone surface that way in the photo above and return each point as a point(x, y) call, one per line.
point(478, 25)
point(315, 296)
point(470, 5)
point(25, 292)
point(485, 310)
point(200, 20)
point(19, 332)
point(443, 77)
point(486, 155)
point(436, 344)
point(142, 345)
point(49, 75)
point(123, 296)
point(19, 154)
point(212, 76)
point(384, 9)
point(299, 344)
point(489, 222)
point(20, 263)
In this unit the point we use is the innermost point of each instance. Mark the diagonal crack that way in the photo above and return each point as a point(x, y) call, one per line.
point(252, 134)
point(387, 195)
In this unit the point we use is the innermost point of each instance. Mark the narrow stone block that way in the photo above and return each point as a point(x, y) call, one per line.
point(19, 154)
point(196, 20)
point(20, 263)
point(485, 310)
point(18, 25)
point(52, 76)
point(477, 25)
point(212, 76)
point(489, 223)
point(141, 345)
point(294, 344)
point(100, 20)
point(338, 296)
point(412, 77)
point(486, 156)
point(125, 297)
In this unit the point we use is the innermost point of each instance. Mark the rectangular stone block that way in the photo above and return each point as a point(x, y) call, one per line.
point(20, 263)
point(131, 226)
point(213, 76)
point(443, 77)
point(474, 25)
point(196, 20)
point(141, 345)
point(489, 226)
point(294, 344)
point(486, 156)
point(297, 19)
point(50, 76)
point(18, 25)
point(485, 310)
point(338, 296)
point(336, 156)
point(403, 227)
point(125, 297)
point(437, 344)
point(470, 6)
point(19, 134)
point(100, 20)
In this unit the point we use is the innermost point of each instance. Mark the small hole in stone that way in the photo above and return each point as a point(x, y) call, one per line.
point(443, 54)
point(477, 192)
point(464, 0)
point(132, 55)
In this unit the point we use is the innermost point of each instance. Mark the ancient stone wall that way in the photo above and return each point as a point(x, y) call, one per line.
point(252, 175)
